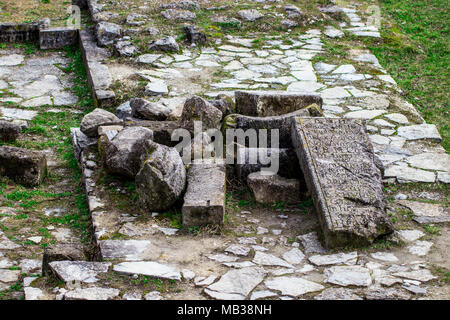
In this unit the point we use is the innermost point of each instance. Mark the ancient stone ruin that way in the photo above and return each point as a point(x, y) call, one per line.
point(248, 164)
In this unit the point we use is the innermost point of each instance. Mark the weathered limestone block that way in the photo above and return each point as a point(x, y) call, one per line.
point(273, 103)
point(287, 159)
point(147, 110)
point(9, 131)
point(162, 130)
point(162, 178)
point(27, 167)
point(80, 141)
point(204, 201)
point(198, 109)
point(272, 189)
point(56, 38)
point(95, 119)
point(281, 123)
point(337, 159)
point(224, 104)
point(123, 154)
point(21, 32)
point(91, 51)
point(167, 44)
point(61, 252)
point(107, 32)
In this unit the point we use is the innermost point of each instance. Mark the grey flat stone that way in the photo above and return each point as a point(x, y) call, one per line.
point(337, 294)
point(293, 256)
point(223, 258)
point(420, 131)
point(148, 268)
point(430, 161)
point(410, 235)
point(83, 271)
point(406, 174)
point(238, 282)
point(338, 258)
point(423, 275)
point(266, 259)
point(263, 294)
point(131, 250)
point(427, 212)
point(7, 276)
point(292, 286)
point(420, 248)
point(311, 243)
point(348, 276)
point(238, 250)
point(384, 256)
point(93, 293)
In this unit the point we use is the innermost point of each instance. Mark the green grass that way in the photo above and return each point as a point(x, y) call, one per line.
point(415, 51)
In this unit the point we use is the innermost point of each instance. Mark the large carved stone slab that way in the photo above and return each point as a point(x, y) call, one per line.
point(337, 159)
point(273, 103)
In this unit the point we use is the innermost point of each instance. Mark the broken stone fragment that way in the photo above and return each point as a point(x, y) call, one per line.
point(198, 109)
point(250, 15)
point(107, 32)
point(272, 189)
point(9, 131)
point(224, 104)
point(123, 154)
point(162, 178)
point(92, 293)
point(95, 119)
point(27, 167)
point(162, 130)
point(168, 44)
point(204, 201)
point(83, 271)
point(274, 103)
point(337, 160)
point(62, 252)
point(195, 34)
point(147, 110)
point(178, 14)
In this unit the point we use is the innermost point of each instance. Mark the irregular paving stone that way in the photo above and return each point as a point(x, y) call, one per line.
point(148, 268)
point(95, 119)
point(61, 252)
point(405, 174)
point(188, 274)
point(24, 166)
point(410, 235)
point(425, 213)
point(420, 131)
point(107, 32)
point(11, 60)
point(7, 276)
point(154, 295)
point(266, 259)
point(264, 294)
point(338, 258)
point(293, 256)
point(377, 293)
point(156, 88)
point(168, 44)
point(348, 276)
point(430, 161)
point(239, 265)
point(205, 281)
point(174, 14)
point(199, 109)
point(415, 289)
point(123, 154)
point(337, 294)
point(162, 178)
point(132, 295)
point(223, 258)
point(311, 243)
point(384, 256)
point(204, 200)
point(238, 250)
point(273, 103)
point(123, 249)
point(420, 248)
point(17, 114)
point(9, 131)
point(343, 178)
point(83, 271)
point(237, 283)
point(93, 293)
point(148, 58)
point(33, 293)
point(30, 266)
point(292, 286)
point(250, 15)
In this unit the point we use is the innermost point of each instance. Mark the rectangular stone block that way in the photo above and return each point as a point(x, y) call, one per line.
point(56, 38)
point(19, 32)
point(27, 167)
point(204, 201)
point(162, 130)
point(338, 162)
point(288, 165)
point(273, 103)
